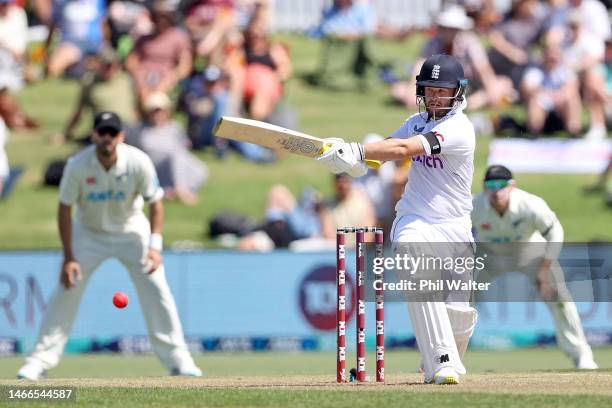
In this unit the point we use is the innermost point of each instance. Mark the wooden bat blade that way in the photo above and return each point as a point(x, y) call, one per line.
point(268, 135)
point(273, 137)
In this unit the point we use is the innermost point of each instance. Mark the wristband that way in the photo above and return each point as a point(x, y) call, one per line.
point(156, 242)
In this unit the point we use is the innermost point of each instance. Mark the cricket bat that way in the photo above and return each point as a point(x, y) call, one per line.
point(273, 137)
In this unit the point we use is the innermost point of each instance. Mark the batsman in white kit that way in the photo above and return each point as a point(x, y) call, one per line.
point(436, 204)
point(525, 236)
point(109, 182)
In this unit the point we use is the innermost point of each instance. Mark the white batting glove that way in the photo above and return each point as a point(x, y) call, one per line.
point(342, 157)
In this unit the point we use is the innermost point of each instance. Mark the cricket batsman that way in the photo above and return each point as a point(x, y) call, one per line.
point(109, 182)
point(504, 214)
point(436, 204)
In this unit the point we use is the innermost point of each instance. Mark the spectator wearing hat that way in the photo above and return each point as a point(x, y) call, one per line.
point(81, 32)
point(181, 174)
point(104, 87)
point(161, 59)
point(551, 94)
point(454, 37)
point(204, 98)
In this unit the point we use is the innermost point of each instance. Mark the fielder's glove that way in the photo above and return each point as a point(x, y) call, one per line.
point(342, 157)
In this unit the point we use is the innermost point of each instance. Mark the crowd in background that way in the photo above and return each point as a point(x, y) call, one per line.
point(151, 59)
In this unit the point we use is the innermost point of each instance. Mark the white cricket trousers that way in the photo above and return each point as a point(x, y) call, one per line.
point(568, 327)
point(442, 330)
point(156, 300)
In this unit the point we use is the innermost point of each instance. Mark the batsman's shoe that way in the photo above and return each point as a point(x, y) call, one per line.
point(187, 372)
point(31, 372)
point(586, 363)
point(446, 375)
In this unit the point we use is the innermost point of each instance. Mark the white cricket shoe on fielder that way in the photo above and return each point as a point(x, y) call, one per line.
point(446, 375)
point(192, 371)
point(31, 371)
point(585, 363)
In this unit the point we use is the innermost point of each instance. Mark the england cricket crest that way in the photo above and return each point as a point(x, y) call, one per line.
point(435, 72)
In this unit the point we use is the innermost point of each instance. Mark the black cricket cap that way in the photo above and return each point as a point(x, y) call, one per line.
point(498, 172)
point(107, 120)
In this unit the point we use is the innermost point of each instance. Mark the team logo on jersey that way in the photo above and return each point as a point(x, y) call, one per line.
point(90, 180)
point(109, 195)
point(486, 226)
point(433, 162)
point(435, 72)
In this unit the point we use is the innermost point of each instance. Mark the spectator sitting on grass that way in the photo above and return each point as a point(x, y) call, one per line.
point(349, 207)
point(583, 52)
point(512, 39)
point(285, 221)
point(128, 21)
point(212, 26)
point(309, 224)
point(161, 59)
point(260, 69)
point(180, 173)
point(13, 40)
point(345, 28)
point(81, 28)
point(551, 95)
point(104, 88)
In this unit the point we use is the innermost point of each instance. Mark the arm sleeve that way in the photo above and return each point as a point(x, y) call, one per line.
point(149, 186)
point(69, 186)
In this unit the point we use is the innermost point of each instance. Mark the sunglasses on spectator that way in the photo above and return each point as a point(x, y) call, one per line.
point(494, 185)
point(108, 131)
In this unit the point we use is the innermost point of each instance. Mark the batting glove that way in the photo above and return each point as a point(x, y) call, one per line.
point(342, 157)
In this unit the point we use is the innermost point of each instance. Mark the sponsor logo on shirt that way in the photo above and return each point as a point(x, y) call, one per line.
point(486, 226)
point(102, 196)
point(90, 180)
point(433, 162)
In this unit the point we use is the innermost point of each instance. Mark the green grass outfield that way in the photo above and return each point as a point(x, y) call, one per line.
point(529, 378)
point(28, 218)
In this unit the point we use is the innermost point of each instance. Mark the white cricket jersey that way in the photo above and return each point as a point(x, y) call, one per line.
point(110, 201)
point(439, 186)
point(527, 219)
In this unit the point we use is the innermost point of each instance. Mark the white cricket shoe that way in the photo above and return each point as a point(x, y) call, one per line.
point(31, 371)
point(192, 371)
point(446, 375)
point(585, 363)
